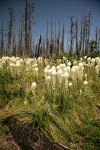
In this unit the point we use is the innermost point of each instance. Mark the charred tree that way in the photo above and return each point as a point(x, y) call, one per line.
point(80, 40)
point(99, 40)
point(27, 23)
point(55, 39)
point(39, 46)
point(2, 41)
point(20, 41)
point(51, 40)
point(71, 34)
point(10, 28)
point(77, 48)
point(13, 45)
point(83, 37)
point(86, 36)
point(58, 40)
point(89, 28)
point(62, 40)
point(47, 41)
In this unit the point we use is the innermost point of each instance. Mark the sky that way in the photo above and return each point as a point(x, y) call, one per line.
point(55, 10)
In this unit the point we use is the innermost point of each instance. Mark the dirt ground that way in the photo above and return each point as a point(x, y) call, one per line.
point(7, 142)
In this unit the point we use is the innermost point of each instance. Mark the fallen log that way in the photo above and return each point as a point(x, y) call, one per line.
point(30, 139)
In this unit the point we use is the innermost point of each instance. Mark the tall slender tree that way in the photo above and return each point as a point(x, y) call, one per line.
point(39, 46)
point(2, 41)
point(80, 38)
point(62, 40)
point(83, 37)
point(20, 40)
point(55, 39)
point(13, 45)
point(47, 40)
point(10, 28)
point(96, 37)
point(99, 41)
point(28, 10)
point(51, 39)
point(58, 40)
point(89, 27)
point(77, 47)
point(71, 33)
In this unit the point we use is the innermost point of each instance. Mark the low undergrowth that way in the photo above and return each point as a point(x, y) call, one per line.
point(91, 134)
point(57, 100)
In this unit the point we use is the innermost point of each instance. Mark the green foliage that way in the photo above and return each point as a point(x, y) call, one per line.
point(3, 129)
point(39, 116)
point(10, 87)
point(6, 80)
point(91, 133)
point(69, 55)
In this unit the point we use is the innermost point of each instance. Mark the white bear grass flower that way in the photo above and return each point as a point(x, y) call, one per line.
point(70, 84)
point(85, 82)
point(33, 87)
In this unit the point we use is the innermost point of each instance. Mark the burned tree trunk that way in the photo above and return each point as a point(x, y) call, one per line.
point(29, 138)
point(77, 48)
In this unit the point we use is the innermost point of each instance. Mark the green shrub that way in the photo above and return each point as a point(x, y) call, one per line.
point(91, 133)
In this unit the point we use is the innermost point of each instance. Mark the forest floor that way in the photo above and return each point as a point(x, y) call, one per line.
point(8, 142)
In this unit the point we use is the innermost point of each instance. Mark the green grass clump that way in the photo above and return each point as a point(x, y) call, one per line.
point(3, 128)
point(91, 134)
